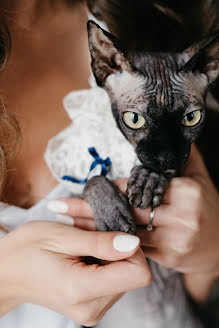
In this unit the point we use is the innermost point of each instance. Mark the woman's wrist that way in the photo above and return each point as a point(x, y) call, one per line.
point(199, 286)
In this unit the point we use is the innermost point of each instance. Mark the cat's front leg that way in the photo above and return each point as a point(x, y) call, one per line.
point(146, 187)
point(110, 207)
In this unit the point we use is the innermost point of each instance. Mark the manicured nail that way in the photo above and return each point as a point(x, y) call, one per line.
point(66, 219)
point(57, 206)
point(125, 243)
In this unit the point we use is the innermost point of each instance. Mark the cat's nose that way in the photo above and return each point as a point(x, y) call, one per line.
point(167, 160)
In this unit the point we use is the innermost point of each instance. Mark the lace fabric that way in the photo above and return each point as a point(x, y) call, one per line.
point(92, 125)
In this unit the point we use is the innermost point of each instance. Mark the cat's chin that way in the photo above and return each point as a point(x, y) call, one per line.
point(159, 169)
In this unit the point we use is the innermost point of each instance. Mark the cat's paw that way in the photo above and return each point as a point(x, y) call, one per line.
point(118, 218)
point(146, 187)
point(111, 208)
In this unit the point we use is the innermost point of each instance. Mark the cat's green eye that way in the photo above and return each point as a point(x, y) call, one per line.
point(192, 118)
point(133, 120)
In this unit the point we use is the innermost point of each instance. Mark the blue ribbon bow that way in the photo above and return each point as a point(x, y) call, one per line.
point(105, 163)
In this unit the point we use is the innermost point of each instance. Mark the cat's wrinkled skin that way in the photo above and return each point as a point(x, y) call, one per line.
point(162, 88)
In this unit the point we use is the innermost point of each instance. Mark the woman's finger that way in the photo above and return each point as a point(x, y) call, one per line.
point(79, 222)
point(65, 219)
point(162, 216)
point(79, 211)
point(165, 215)
point(164, 238)
point(74, 207)
point(71, 206)
point(85, 223)
point(111, 246)
point(178, 190)
point(128, 270)
point(180, 197)
point(156, 254)
point(165, 257)
point(123, 275)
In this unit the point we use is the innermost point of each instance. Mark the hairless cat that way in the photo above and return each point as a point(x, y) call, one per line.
point(158, 103)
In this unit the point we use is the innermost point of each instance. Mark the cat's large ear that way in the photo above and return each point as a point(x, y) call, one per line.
point(107, 58)
point(202, 59)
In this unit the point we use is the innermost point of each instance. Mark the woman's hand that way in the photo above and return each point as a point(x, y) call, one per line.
point(186, 226)
point(42, 263)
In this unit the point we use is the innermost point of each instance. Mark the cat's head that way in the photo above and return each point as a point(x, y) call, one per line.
point(157, 98)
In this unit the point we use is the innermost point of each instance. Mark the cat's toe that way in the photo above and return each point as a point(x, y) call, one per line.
point(139, 176)
point(148, 192)
point(157, 200)
point(160, 190)
point(124, 221)
point(146, 187)
point(135, 197)
point(127, 227)
point(120, 222)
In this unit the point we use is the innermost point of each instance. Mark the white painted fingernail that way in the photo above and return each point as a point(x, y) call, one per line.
point(66, 219)
point(57, 206)
point(125, 243)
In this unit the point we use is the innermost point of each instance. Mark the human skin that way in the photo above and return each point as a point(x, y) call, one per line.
point(38, 75)
point(185, 237)
point(65, 284)
point(49, 58)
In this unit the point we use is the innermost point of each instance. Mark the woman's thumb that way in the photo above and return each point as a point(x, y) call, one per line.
point(109, 246)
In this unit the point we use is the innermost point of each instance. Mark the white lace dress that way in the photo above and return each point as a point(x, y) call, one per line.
point(67, 154)
point(93, 126)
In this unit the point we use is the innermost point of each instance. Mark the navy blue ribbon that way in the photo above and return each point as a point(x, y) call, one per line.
point(105, 163)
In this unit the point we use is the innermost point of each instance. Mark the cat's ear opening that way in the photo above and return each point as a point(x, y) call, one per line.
point(202, 58)
point(106, 56)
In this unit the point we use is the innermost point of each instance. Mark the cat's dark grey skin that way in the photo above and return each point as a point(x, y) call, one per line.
point(164, 90)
